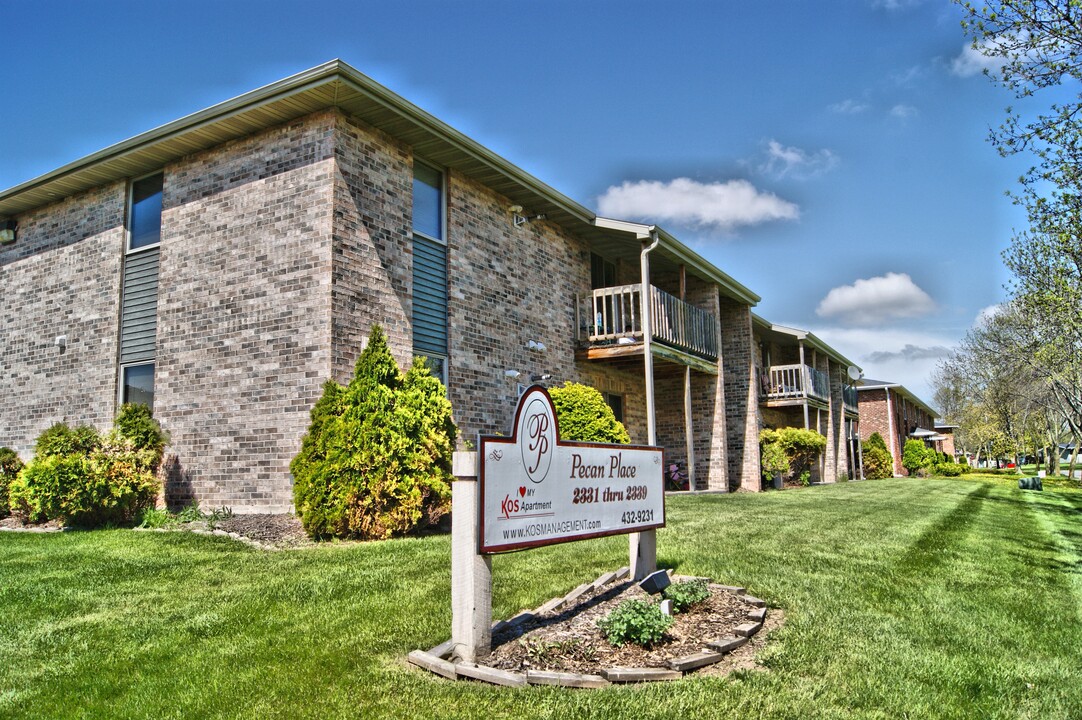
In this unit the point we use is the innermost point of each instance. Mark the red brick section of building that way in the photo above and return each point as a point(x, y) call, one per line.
point(893, 412)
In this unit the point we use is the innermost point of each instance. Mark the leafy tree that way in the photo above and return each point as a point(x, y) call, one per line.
point(584, 416)
point(376, 460)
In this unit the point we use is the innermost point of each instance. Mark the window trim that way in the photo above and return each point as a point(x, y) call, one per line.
point(128, 249)
point(120, 379)
point(443, 201)
point(446, 366)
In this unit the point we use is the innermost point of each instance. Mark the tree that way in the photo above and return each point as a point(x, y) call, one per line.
point(376, 460)
point(1037, 45)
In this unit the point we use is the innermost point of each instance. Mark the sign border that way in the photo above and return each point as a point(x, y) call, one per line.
point(486, 441)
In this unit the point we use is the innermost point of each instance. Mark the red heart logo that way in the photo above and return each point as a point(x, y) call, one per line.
point(522, 490)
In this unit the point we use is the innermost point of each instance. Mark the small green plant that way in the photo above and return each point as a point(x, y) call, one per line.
point(10, 465)
point(686, 594)
point(217, 515)
point(584, 416)
point(843, 478)
point(805, 478)
point(190, 514)
point(636, 621)
point(156, 518)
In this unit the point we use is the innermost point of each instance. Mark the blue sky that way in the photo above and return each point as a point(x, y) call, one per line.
point(829, 155)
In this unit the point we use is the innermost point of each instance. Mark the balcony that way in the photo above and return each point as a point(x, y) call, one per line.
point(795, 384)
point(849, 396)
point(609, 322)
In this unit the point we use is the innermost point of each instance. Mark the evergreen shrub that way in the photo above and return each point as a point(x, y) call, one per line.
point(584, 416)
point(376, 461)
point(85, 479)
point(915, 456)
point(10, 465)
point(878, 464)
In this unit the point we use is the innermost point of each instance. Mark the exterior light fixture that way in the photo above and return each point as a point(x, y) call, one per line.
point(536, 345)
point(61, 342)
point(519, 219)
point(540, 378)
point(511, 373)
point(7, 231)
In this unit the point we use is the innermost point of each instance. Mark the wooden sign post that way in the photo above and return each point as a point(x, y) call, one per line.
point(533, 489)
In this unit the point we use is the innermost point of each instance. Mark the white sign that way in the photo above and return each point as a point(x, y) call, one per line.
point(538, 490)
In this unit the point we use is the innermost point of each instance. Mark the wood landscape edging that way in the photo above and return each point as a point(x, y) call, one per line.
point(437, 660)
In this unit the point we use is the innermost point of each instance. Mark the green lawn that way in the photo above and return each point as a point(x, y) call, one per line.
point(905, 598)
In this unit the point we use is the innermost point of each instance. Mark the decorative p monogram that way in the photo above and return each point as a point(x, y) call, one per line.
point(537, 437)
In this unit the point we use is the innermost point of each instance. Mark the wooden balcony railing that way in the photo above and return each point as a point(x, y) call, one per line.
point(613, 315)
point(794, 382)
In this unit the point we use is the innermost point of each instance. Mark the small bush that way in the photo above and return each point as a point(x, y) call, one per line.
point(950, 469)
point(685, 594)
point(135, 422)
point(584, 416)
point(799, 447)
point(772, 459)
point(10, 465)
point(84, 479)
point(636, 621)
point(915, 456)
point(59, 439)
point(878, 464)
point(875, 441)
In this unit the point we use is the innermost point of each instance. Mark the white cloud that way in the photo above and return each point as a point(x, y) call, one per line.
point(907, 357)
point(799, 164)
point(904, 112)
point(987, 313)
point(971, 61)
point(871, 301)
point(849, 107)
point(720, 205)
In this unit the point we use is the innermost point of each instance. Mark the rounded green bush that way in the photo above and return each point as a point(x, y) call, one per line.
point(584, 416)
point(878, 464)
point(686, 594)
point(135, 422)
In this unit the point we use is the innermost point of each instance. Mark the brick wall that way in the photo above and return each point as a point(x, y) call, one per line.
point(244, 292)
point(61, 277)
point(875, 417)
point(740, 353)
point(372, 275)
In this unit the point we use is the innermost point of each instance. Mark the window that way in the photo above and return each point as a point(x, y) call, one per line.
point(137, 384)
point(139, 292)
point(429, 269)
point(145, 216)
point(602, 272)
point(427, 202)
point(616, 402)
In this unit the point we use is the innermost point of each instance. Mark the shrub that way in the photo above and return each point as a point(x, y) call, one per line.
point(772, 457)
point(10, 465)
point(878, 464)
point(59, 439)
point(875, 440)
point(584, 416)
point(951, 469)
point(636, 621)
point(685, 594)
point(376, 460)
point(134, 422)
point(84, 479)
point(800, 447)
point(915, 456)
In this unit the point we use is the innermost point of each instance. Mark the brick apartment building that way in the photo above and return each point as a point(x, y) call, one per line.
point(896, 414)
point(220, 268)
point(805, 383)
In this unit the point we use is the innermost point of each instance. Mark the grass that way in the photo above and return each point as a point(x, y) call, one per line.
point(904, 598)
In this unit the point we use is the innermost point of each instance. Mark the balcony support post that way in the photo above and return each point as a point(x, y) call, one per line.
point(806, 380)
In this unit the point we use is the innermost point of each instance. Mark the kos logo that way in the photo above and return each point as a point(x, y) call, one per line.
point(509, 505)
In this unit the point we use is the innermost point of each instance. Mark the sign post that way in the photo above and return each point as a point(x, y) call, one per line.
point(533, 489)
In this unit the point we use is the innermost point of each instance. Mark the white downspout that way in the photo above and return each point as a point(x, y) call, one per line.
point(647, 335)
point(642, 546)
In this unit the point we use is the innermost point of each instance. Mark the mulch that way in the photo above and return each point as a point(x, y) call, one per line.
point(568, 640)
